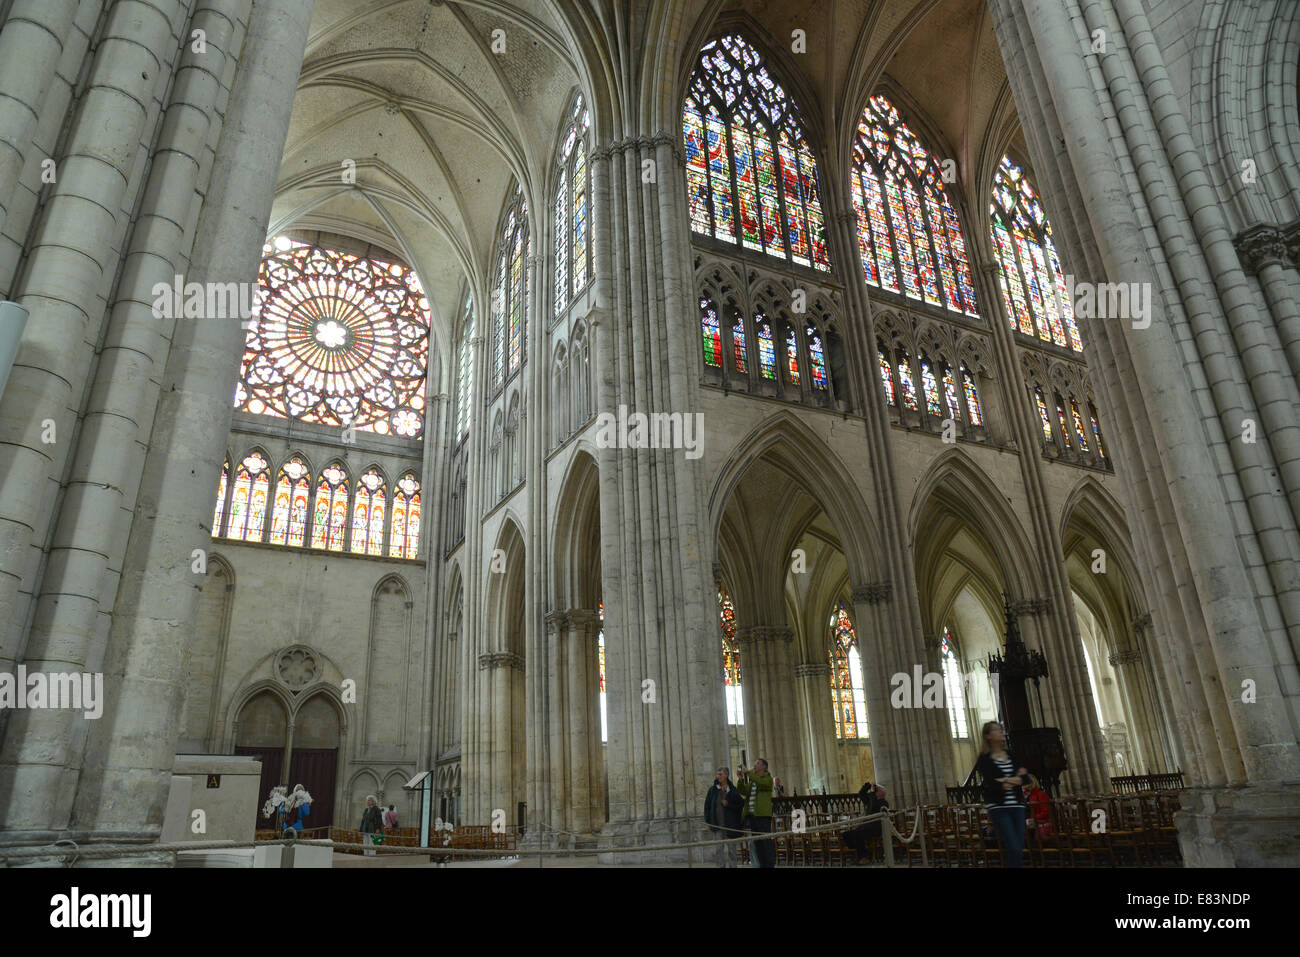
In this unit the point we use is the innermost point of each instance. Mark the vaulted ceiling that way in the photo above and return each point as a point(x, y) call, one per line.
point(441, 104)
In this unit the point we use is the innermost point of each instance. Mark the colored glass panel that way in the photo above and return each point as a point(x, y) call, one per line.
point(219, 512)
point(561, 245)
point(796, 216)
point(1096, 431)
point(697, 174)
point(766, 348)
point(792, 356)
point(1043, 414)
point(712, 335)
point(580, 226)
point(816, 357)
point(738, 342)
point(950, 395)
point(1078, 426)
point(886, 376)
point(931, 388)
point(954, 692)
point(746, 187)
point(338, 340)
point(724, 226)
point(405, 537)
point(905, 379)
point(973, 407)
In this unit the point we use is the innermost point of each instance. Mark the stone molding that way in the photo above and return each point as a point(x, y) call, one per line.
point(297, 666)
point(585, 620)
point(639, 143)
point(812, 669)
point(1031, 606)
point(874, 593)
point(1262, 245)
point(1292, 235)
point(750, 634)
point(500, 659)
point(1141, 624)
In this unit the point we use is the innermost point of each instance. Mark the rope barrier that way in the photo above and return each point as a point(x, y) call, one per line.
point(109, 851)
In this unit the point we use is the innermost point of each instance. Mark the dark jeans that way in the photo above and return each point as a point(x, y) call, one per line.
point(762, 852)
point(1009, 822)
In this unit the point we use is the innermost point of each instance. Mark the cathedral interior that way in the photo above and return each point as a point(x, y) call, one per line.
point(556, 400)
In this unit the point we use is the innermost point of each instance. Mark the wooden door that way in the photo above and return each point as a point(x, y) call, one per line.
point(315, 769)
point(272, 764)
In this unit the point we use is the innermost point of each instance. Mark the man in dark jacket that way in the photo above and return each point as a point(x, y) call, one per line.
point(722, 813)
point(873, 802)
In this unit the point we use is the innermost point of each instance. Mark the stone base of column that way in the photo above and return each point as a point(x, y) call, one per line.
point(1256, 826)
point(618, 836)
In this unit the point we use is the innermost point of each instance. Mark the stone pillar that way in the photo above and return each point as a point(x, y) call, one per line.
point(583, 706)
point(71, 261)
point(818, 724)
point(771, 709)
point(558, 715)
point(129, 754)
point(31, 45)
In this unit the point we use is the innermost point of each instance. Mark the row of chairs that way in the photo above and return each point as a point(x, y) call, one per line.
point(1100, 831)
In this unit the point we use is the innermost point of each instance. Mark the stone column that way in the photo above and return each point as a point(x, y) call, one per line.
point(129, 754)
point(819, 744)
point(771, 708)
point(558, 712)
point(31, 45)
point(71, 259)
point(583, 706)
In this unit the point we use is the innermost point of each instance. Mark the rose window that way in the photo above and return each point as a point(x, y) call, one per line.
point(339, 340)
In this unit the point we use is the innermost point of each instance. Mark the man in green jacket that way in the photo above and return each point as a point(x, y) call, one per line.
point(756, 788)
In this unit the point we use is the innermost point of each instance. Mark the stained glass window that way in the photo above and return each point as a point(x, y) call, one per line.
point(1078, 426)
point(738, 341)
point(905, 380)
point(600, 660)
point(750, 175)
point(931, 388)
point(886, 375)
point(816, 357)
point(292, 493)
point(909, 237)
point(950, 395)
point(329, 516)
point(465, 371)
point(973, 407)
point(338, 340)
point(248, 501)
point(792, 355)
point(510, 300)
point(847, 694)
point(1034, 290)
point(712, 334)
point(1043, 414)
point(573, 264)
point(766, 349)
point(1096, 429)
point(220, 510)
point(954, 692)
point(405, 539)
point(1060, 417)
point(730, 659)
point(368, 513)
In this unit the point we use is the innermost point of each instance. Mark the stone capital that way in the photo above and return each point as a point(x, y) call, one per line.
point(500, 659)
point(584, 620)
point(812, 669)
point(1261, 245)
point(556, 621)
point(1031, 606)
point(1292, 234)
point(1118, 658)
point(874, 593)
point(752, 634)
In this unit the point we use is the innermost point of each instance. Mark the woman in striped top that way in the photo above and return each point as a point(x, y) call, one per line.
point(1002, 778)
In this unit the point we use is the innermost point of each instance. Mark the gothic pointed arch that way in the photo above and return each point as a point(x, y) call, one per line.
point(752, 176)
